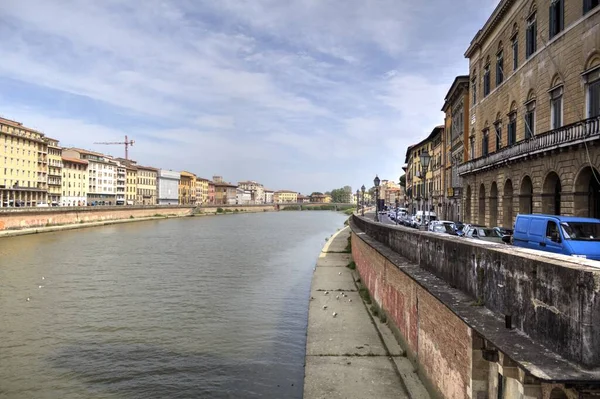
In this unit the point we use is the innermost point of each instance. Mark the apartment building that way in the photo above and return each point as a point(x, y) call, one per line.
point(456, 139)
point(257, 191)
point(102, 175)
point(201, 191)
point(168, 187)
point(74, 182)
point(211, 192)
point(146, 185)
point(225, 193)
point(534, 112)
point(268, 196)
point(24, 168)
point(54, 171)
point(130, 184)
point(187, 188)
point(121, 184)
point(285, 196)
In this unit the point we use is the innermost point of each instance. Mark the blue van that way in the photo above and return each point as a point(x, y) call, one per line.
point(565, 235)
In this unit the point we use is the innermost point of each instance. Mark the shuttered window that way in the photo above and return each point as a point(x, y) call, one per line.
point(531, 36)
point(557, 17)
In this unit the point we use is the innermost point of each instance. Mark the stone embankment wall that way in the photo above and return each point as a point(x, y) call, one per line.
point(17, 218)
point(454, 302)
point(231, 208)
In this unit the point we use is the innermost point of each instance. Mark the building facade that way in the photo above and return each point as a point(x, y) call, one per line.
point(130, 184)
point(211, 192)
point(257, 191)
point(285, 196)
point(202, 195)
point(420, 182)
point(187, 188)
point(74, 182)
point(268, 196)
point(456, 110)
point(225, 193)
point(535, 112)
point(102, 175)
point(121, 184)
point(54, 172)
point(24, 170)
point(146, 185)
point(168, 187)
point(243, 197)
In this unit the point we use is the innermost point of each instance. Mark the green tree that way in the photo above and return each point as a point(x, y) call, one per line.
point(403, 181)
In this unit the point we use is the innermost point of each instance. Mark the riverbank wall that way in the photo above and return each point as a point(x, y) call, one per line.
point(31, 218)
point(480, 319)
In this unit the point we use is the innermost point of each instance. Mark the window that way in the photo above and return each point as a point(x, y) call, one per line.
point(486, 80)
point(531, 39)
point(474, 89)
point(515, 49)
point(498, 129)
point(499, 68)
point(512, 128)
point(557, 17)
point(589, 4)
point(556, 108)
point(484, 143)
point(593, 92)
point(530, 120)
point(472, 147)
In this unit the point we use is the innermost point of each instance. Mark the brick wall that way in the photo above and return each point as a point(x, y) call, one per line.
point(436, 339)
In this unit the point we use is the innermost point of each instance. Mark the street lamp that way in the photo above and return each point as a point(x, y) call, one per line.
point(425, 158)
point(397, 205)
point(376, 181)
point(357, 200)
point(363, 199)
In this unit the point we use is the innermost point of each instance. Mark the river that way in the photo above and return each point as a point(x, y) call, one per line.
point(205, 307)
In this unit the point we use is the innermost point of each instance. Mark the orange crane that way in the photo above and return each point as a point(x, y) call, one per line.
point(127, 143)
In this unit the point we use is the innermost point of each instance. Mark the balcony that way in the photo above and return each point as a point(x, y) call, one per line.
point(586, 130)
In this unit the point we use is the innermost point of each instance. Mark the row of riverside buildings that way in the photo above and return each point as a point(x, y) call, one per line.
point(35, 169)
point(522, 129)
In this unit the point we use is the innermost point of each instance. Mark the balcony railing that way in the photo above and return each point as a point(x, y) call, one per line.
point(568, 135)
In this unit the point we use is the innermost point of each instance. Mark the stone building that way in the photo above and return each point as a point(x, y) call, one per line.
point(146, 185)
point(257, 190)
point(102, 174)
point(285, 196)
point(131, 184)
point(187, 188)
point(456, 139)
point(535, 112)
point(202, 197)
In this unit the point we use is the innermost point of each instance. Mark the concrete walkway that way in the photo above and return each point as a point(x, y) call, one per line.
point(351, 354)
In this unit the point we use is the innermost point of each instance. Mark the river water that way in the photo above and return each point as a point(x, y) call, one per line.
point(210, 307)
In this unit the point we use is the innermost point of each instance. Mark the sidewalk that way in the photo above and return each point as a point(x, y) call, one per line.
point(351, 354)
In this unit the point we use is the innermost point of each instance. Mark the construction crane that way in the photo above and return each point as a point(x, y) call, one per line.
point(127, 143)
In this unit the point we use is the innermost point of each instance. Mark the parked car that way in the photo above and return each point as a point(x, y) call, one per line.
point(574, 236)
point(444, 228)
point(459, 228)
point(504, 231)
point(436, 222)
point(485, 234)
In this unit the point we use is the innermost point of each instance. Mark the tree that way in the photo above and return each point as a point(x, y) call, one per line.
point(403, 181)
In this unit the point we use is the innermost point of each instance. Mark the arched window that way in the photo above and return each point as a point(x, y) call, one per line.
point(556, 103)
point(530, 115)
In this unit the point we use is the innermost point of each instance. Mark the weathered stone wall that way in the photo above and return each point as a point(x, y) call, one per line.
point(553, 299)
point(232, 208)
point(16, 218)
point(436, 339)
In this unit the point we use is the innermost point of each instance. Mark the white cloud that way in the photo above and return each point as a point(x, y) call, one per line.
point(325, 93)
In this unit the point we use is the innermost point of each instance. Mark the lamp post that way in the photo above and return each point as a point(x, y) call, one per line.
point(397, 205)
point(376, 181)
point(363, 200)
point(357, 200)
point(425, 158)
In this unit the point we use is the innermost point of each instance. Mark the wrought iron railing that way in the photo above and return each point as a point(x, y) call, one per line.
point(588, 129)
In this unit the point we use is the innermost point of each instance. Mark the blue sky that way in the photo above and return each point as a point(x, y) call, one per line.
point(307, 95)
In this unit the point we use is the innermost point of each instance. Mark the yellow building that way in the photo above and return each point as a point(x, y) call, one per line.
point(74, 182)
point(187, 188)
point(24, 160)
point(201, 191)
point(54, 171)
point(285, 196)
point(131, 184)
point(146, 185)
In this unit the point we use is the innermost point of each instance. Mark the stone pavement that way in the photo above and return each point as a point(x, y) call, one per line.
point(350, 354)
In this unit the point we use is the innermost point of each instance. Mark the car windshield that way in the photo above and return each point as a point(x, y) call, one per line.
point(488, 233)
point(581, 231)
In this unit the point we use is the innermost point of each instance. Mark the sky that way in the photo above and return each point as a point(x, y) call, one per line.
point(304, 95)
